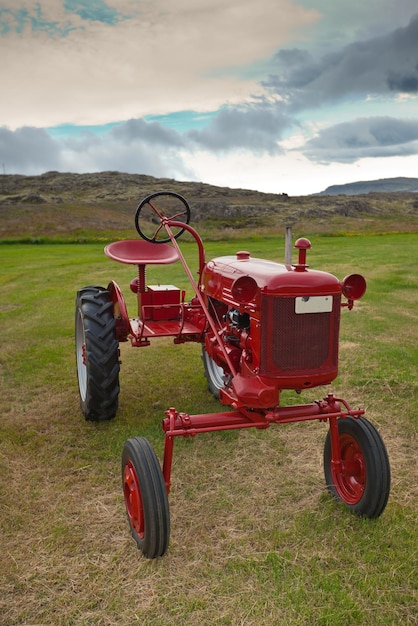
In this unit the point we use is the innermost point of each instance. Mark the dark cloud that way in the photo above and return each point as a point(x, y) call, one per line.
point(362, 138)
point(134, 146)
point(148, 132)
point(28, 149)
point(298, 70)
point(406, 82)
point(256, 127)
point(138, 147)
point(119, 150)
point(380, 65)
point(145, 147)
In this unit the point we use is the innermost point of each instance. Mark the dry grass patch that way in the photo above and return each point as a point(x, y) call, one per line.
point(253, 532)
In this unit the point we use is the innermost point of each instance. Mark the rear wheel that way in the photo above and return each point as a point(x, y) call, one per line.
point(363, 483)
point(146, 497)
point(97, 354)
point(214, 374)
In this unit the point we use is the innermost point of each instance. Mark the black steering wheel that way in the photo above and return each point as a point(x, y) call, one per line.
point(153, 219)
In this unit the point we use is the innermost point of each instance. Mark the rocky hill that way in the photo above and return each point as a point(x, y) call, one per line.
point(78, 206)
point(118, 187)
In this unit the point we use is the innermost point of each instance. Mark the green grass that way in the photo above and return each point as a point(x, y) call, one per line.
point(256, 539)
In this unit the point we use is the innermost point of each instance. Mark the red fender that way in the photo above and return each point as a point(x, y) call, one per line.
point(120, 312)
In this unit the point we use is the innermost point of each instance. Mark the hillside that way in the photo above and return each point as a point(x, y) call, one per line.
point(67, 206)
point(383, 185)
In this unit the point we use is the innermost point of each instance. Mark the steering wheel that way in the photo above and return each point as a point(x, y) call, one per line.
point(152, 226)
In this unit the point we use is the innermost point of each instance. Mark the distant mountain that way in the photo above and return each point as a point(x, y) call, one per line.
point(384, 185)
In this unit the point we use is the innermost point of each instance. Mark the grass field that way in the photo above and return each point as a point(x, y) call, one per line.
point(256, 538)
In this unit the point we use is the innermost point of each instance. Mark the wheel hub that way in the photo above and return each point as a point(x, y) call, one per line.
point(133, 500)
point(351, 479)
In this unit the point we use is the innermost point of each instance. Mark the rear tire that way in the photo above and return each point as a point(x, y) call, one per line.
point(364, 483)
point(97, 354)
point(146, 497)
point(214, 374)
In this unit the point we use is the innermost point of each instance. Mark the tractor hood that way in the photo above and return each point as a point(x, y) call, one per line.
point(221, 274)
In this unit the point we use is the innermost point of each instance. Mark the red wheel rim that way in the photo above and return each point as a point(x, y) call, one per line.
point(133, 499)
point(350, 482)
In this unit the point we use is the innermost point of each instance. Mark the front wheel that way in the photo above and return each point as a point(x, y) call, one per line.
point(146, 497)
point(97, 354)
point(363, 482)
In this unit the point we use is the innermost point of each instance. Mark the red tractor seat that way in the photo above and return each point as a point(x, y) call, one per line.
point(140, 252)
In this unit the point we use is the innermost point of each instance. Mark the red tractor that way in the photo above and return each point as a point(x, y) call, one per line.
point(263, 327)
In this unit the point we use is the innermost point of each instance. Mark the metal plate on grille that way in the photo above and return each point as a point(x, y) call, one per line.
point(313, 304)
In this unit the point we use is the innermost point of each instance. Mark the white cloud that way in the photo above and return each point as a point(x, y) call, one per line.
point(293, 173)
point(172, 55)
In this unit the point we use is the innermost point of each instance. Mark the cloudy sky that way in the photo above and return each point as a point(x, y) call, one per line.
point(276, 95)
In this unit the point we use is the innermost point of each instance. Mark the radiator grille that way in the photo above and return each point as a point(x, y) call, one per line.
point(297, 344)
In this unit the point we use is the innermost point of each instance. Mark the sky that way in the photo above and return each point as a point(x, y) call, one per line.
point(281, 96)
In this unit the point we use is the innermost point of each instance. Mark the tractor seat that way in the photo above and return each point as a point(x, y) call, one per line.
point(141, 252)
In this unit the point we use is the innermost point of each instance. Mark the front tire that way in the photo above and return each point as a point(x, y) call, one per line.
point(364, 482)
point(97, 354)
point(146, 497)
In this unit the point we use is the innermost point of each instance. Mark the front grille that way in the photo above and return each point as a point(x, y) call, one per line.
point(297, 343)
